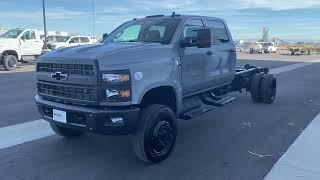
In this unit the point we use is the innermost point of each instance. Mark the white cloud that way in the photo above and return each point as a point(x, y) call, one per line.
point(278, 4)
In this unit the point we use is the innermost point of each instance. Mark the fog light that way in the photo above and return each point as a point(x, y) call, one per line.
point(117, 120)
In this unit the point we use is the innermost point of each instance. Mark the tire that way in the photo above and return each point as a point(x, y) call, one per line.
point(156, 134)
point(9, 62)
point(255, 88)
point(65, 132)
point(268, 88)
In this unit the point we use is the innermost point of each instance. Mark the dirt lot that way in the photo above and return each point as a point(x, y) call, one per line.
point(279, 56)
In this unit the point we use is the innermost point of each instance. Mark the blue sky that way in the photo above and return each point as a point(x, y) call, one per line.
point(286, 19)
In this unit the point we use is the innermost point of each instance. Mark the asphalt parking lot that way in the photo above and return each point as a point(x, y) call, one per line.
point(241, 141)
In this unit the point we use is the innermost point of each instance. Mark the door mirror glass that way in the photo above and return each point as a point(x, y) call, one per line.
point(203, 38)
point(188, 42)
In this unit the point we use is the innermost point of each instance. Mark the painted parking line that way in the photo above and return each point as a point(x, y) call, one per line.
point(24, 132)
point(302, 160)
point(30, 131)
point(289, 67)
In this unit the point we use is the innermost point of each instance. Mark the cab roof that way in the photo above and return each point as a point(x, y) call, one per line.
point(177, 16)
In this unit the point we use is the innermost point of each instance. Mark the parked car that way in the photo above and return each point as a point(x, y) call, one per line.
point(19, 45)
point(144, 76)
point(70, 41)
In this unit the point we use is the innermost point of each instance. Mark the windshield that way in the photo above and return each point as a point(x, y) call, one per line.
point(145, 30)
point(12, 33)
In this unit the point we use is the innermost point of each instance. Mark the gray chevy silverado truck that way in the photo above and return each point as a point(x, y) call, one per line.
point(144, 76)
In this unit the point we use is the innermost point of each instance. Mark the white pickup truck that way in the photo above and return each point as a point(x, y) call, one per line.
point(19, 45)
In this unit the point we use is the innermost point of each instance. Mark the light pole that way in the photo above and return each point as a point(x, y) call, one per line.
point(44, 24)
point(93, 4)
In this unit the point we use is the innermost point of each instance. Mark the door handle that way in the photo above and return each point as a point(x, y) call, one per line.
point(209, 53)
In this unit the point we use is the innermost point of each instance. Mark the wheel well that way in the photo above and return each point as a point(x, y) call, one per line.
point(164, 95)
point(11, 52)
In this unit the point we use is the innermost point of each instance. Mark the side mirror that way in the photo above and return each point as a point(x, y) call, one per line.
point(203, 38)
point(104, 35)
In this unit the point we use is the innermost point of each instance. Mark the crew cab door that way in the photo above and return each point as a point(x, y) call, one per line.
point(223, 69)
point(194, 60)
point(30, 44)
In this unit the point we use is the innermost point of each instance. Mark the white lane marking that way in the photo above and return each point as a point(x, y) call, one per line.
point(30, 131)
point(289, 67)
point(24, 132)
point(302, 160)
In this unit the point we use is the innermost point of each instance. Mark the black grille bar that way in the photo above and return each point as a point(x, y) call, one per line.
point(73, 69)
point(67, 92)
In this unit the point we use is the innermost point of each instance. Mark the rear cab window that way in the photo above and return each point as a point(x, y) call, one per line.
point(219, 32)
point(191, 27)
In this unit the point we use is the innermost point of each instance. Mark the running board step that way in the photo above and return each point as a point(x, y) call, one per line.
point(196, 112)
point(216, 100)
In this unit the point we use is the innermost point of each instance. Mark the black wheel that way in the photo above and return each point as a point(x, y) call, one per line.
point(268, 88)
point(156, 134)
point(65, 132)
point(10, 62)
point(255, 89)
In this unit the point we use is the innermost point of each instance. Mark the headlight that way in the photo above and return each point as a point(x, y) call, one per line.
point(118, 94)
point(116, 78)
point(116, 86)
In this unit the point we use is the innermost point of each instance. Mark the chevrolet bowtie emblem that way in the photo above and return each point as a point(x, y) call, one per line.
point(59, 76)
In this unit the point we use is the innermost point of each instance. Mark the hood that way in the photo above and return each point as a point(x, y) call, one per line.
point(95, 51)
point(115, 55)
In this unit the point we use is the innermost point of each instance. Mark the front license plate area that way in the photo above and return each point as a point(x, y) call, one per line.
point(60, 116)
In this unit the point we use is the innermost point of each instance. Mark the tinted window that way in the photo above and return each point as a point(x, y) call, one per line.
point(191, 27)
point(11, 34)
point(84, 39)
point(29, 35)
point(129, 34)
point(50, 39)
point(75, 40)
point(152, 30)
point(219, 32)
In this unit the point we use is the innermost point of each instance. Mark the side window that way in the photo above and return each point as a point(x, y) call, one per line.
point(75, 40)
point(160, 29)
point(191, 27)
point(84, 39)
point(219, 32)
point(32, 35)
point(29, 35)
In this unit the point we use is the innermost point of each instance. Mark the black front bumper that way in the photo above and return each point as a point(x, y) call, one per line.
point(95, 120)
